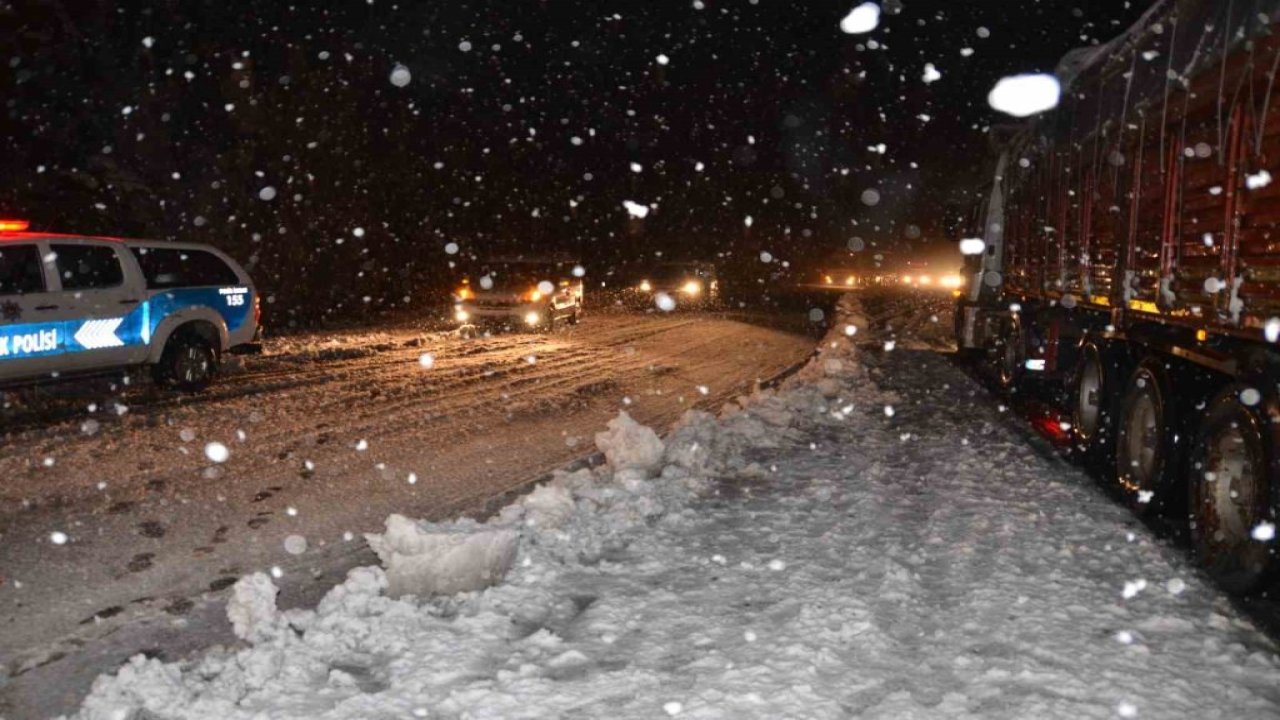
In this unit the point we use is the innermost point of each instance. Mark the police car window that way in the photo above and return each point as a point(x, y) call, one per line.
point(88, 267)
point(172, 268)
point(20, 270)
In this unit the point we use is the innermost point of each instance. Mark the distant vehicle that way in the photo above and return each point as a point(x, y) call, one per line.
point(72, 305)
point(520, 294)
point(689, 284)
point(1126, 256)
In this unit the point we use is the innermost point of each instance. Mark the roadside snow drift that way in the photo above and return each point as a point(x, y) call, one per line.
point(807, 554)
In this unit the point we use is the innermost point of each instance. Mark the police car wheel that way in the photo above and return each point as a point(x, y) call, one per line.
point(188, 363)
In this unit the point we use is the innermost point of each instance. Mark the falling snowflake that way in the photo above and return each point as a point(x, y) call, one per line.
point(400, 75)
point(1025, 95)
point(862, 19)
point(217, 452)
point(931, 74)
point(635, 209)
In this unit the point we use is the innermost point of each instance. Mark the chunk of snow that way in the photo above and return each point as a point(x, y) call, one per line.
point(57, 537)
point(548, 506)
point(870, 197)
point(931, 74)
point(252, 608)
point(663, 59)
point(1025, 95)
point(267, 193)
point(1250, 396)
point(664, 302)
point(972, 246)
point(629, 445)
point(427, 360)
point(425, 559)
point(862, 19)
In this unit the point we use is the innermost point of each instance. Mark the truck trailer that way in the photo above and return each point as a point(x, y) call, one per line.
point(1128, 257)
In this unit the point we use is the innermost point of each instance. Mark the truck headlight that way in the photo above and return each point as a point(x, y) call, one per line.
point(645, 286)
point(532, 318)
point(693, 287)
point(461, 315)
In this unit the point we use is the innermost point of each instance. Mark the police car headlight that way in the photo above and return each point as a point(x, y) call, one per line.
point(532, 318)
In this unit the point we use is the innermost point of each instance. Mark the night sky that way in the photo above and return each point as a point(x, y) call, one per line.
point(274, 131)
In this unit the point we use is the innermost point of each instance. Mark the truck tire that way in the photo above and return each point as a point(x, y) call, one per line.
point(1145, 449)
point(1230, 493)
point(1093, 385)
point(188, 363)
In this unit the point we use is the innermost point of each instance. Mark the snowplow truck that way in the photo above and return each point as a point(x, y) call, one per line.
point(1127, 258)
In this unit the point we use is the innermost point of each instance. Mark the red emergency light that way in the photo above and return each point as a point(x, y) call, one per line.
point(14, 225)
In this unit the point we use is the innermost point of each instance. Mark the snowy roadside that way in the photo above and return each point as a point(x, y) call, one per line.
point(867, 540)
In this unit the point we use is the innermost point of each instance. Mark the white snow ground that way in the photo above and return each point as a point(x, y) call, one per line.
point(810, 556)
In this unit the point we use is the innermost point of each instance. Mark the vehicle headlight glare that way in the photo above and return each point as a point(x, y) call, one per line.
point(693, 287)
point(532, 318)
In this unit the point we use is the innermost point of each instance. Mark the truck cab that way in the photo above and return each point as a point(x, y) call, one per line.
point(73, 305)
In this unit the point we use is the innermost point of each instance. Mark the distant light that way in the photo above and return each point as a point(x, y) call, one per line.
point(636, 210)
point(645, 286)
point(1036, 364)
point(532, 318)
point(693, 287)
point(1025, 95)
point(862, 19)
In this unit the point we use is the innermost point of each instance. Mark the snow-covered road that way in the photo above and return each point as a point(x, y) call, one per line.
point(327, 434)
point(875, 540)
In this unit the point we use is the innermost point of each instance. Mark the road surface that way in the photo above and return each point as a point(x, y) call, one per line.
point(327, 434)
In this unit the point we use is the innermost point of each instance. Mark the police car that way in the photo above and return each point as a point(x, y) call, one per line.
point(71, 304)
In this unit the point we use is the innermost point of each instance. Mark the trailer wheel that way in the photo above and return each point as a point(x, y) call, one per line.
point(1145, 451)
point(1092, 416)
point(1230, 494)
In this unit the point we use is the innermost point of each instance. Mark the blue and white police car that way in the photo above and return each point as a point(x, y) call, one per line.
point(72, 305)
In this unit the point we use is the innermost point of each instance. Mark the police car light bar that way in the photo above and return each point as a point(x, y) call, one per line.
point(14, 225)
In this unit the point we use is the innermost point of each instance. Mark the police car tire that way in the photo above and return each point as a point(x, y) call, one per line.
point(167, 371)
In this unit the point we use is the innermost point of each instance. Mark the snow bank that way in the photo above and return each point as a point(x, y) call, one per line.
point(427, 559)
point(797, 556)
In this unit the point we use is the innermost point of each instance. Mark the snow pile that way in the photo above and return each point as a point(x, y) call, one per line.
point(426, 559)
point(802, 555)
